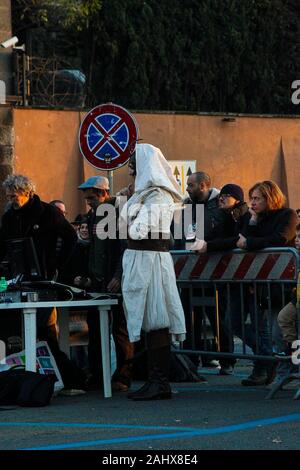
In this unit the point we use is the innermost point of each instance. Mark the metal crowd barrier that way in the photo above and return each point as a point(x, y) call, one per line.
point(210, 283)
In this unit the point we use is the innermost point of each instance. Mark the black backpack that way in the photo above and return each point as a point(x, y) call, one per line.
point(25, 388)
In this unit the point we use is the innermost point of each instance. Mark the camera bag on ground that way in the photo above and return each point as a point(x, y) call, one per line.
point(25, 388)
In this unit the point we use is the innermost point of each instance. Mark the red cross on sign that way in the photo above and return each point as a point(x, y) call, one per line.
point(107, 136)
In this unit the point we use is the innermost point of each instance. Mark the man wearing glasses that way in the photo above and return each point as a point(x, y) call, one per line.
point(201, 192)
point(29, 217)
point(224, 237)
point(236, 216)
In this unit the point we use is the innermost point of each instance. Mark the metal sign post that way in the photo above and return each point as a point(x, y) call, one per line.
point(110, 176)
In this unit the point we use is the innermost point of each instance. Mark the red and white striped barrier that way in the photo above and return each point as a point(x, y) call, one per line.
point(231, 266)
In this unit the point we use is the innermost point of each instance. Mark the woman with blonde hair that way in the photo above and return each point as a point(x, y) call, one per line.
point(271, 224)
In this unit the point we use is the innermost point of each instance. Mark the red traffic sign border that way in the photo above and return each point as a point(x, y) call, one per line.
point(124, 155)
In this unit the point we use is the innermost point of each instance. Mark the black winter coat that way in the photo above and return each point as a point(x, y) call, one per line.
point(227, 233)
point(105, 259)
point(44, 224)
point(274, 229)
point(213, 217)
point(78, 264)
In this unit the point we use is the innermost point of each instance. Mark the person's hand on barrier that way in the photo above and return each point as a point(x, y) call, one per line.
point(199, 245)
point(114, 285)
point(242, 242)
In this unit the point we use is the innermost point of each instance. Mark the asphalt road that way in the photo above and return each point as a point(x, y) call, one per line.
point(218, 415)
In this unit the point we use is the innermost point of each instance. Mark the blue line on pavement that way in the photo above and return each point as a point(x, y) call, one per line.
point(191, 433)
point(95, 426)
point(219, 389)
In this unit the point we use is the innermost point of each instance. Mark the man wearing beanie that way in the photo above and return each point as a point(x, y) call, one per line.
point(234, 191)
point(236, 216)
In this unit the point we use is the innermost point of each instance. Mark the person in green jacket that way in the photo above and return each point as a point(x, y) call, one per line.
point(105, 272)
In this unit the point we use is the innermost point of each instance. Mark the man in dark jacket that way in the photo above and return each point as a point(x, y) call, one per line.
point(200, 193)
point(224, 237)
point(29, 217)
point(235, 220)
point(105, 272)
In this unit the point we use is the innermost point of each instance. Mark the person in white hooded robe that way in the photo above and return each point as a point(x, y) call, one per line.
point(150, 295)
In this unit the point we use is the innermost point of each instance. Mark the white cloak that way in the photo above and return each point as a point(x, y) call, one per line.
point(150, 294)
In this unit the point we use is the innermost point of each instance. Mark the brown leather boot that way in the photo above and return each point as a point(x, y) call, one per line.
point(157, 386)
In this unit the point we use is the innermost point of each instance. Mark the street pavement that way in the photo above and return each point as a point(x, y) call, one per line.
point(218, 415)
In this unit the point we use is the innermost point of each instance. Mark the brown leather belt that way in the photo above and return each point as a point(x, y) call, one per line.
point(149, 245)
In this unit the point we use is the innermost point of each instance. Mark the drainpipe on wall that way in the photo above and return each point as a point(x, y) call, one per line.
point(6, 149)
point(6, 110)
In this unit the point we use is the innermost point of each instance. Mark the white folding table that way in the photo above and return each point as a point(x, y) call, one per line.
point(29, 310)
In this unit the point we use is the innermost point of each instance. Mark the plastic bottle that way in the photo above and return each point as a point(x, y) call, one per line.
point(3, 284)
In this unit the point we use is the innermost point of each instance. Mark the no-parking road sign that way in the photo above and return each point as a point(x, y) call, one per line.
point(107, 136)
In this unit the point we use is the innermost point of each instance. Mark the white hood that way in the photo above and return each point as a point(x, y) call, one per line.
point(153, 171)
point(214, 193)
